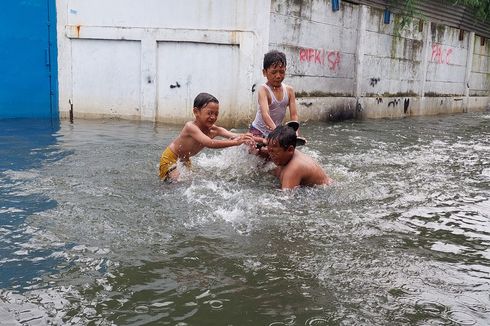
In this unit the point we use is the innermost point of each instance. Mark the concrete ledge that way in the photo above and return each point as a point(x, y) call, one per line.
point(342, 108)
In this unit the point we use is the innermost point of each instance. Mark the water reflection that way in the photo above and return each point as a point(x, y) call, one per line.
point(402, 237)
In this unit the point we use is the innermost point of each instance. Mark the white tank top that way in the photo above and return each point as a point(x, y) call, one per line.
point(277, 111)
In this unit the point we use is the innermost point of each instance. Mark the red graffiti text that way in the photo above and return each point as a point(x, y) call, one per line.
point(318, 56)
point(441, 55)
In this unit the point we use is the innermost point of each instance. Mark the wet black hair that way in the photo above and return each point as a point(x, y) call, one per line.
point(203, 99)
point(285, 135)
point(274, 57)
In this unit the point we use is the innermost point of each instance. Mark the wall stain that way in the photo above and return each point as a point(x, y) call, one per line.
point(321, 94)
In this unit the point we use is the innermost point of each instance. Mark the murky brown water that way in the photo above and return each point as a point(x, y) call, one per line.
point(90, 236)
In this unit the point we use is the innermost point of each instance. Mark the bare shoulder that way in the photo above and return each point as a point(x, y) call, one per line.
point(289, 88)
point(189, 125)
point(190, 129)
point(290, 91)
point(297, 164)
point(216, 131)
point(262, 91)
point(303, 163)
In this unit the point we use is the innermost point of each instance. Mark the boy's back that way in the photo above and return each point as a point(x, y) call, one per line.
point(303, 170)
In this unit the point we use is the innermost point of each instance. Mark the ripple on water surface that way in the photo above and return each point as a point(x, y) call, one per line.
point(401, 237)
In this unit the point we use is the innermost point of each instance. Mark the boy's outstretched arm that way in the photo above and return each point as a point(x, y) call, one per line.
point(249, 138)
point(206, 141)
point(223, 132)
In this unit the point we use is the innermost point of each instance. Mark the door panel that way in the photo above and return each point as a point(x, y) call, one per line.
point(26, 58)
point(106, 77)
point(186, 69)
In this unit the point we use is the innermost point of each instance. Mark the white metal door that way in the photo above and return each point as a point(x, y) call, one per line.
point(188, 68)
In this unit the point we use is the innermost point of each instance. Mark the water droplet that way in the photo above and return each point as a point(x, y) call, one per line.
point(316, 321)
point(141, 309)
point(432, 308)
point(216, 304)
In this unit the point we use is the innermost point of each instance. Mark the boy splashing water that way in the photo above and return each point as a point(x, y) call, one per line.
point(197, 135)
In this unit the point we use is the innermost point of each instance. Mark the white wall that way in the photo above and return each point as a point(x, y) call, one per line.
point(320, 45)
point(378, 69)
point(393, 57)
point(479, 82)
point(447, 64)
point(121, 57)
point(148, 59)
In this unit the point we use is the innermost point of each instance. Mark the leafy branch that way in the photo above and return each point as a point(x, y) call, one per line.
point(481, 8)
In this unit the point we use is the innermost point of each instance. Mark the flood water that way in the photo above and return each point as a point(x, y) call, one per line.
point(90, 236)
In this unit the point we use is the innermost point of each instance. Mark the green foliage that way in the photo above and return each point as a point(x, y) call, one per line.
point(406, 14)
point(481, 8)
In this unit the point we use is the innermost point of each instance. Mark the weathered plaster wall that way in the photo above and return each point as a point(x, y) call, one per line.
point(479, 83)
point(447, 65)
point(320, 45)
point(148, 59)
point(392, 57)
point(380, 70)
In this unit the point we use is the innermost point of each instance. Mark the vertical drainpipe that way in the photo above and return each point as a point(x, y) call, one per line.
point(469, 66)
point(361, 41)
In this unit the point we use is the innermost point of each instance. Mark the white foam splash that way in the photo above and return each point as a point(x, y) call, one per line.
point(486, 172)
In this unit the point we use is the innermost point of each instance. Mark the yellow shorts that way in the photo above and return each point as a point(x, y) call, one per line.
point(168, 163)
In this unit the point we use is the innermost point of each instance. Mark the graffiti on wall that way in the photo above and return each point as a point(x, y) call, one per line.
point(323, 57)
point(373, 81)
point(441, 55)
point(395, 102)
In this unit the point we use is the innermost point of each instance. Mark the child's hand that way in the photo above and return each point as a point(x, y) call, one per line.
point(245, 139)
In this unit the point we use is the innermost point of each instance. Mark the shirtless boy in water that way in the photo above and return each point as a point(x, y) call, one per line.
point(197, 135)
point(294, 168)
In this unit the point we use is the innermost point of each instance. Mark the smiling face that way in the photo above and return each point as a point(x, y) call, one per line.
point(275, 74)
point(207, 115)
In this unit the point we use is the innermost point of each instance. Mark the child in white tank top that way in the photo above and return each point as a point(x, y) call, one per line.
point(273, 97)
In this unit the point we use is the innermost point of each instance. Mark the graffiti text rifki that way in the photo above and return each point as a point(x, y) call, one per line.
point(321, 56)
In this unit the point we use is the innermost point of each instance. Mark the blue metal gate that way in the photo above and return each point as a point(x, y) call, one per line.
point(28, 66)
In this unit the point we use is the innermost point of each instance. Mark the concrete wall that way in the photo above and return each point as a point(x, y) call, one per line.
point(148, 59)
point(479, 83)
point(320, 45)
point(377, 69)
